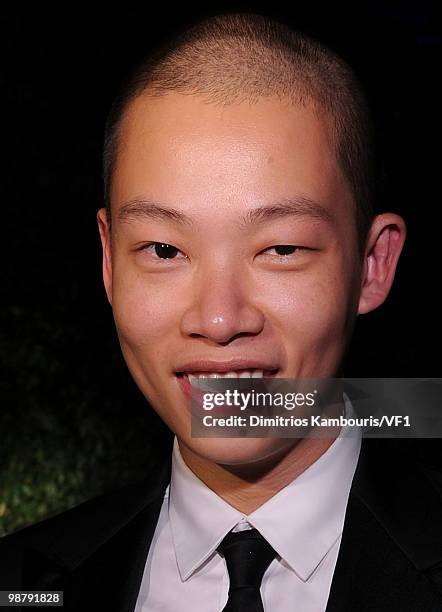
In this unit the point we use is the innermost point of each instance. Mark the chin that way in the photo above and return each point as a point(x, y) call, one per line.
point(237, 451)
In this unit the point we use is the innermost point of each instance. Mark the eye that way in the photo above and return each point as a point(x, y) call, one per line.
point(284, 249)
point(162, 250)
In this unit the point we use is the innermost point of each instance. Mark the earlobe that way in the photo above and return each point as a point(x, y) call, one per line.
point(384, 245)
point(105, 236)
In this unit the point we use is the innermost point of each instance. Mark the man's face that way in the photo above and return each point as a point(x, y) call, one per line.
point(221, 291)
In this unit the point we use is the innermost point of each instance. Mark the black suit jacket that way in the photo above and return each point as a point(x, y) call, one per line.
point(390, 557)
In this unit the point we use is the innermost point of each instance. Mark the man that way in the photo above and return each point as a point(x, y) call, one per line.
point(238, 239)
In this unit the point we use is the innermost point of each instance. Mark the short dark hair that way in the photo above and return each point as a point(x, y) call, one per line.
point(241, 56)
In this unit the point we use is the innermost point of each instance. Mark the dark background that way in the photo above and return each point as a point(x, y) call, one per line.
point(72, 422)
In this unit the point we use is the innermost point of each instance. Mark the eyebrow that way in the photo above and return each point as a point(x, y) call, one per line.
point(141, 209)
point(300, 206)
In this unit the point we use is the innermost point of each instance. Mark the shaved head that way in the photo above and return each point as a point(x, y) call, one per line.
point(232, 58)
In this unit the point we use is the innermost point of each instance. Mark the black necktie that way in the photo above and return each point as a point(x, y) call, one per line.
point(247, 556)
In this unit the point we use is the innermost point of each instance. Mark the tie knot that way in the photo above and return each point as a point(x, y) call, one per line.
point(247, 556)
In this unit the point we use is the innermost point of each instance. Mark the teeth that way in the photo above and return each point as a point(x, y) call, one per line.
point(233, 374)
point(192, 379)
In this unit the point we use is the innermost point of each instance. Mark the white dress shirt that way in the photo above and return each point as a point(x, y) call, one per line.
point(303, 522)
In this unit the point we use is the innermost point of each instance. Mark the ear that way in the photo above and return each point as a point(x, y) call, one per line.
point(105, 235)
point(384, 245)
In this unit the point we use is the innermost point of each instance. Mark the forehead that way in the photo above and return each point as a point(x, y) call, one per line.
point(181, 149)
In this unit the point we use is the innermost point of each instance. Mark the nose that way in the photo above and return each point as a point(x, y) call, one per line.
point(222, 308)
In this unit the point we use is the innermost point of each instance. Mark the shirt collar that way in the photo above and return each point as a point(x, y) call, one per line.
point(199, 518)
point(301, 522)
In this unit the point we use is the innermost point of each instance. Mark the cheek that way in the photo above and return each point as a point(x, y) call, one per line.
point(141, 312)
point(312, 312)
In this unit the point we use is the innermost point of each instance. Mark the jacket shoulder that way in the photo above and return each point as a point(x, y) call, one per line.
point(59, 536)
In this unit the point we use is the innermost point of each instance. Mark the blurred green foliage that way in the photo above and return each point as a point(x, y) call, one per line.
point(72, 422)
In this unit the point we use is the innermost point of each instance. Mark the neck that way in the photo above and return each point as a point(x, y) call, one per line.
point(247, 487)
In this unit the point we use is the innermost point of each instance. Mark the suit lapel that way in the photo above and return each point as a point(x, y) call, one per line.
point(110, 578)
point(392, 538)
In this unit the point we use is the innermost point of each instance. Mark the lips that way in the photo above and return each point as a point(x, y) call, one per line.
point(209, 367)
point(232, 368)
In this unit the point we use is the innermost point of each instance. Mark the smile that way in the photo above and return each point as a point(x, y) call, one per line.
point(243, 373)
point(192, 380)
